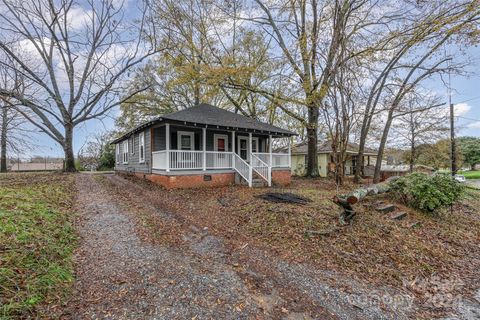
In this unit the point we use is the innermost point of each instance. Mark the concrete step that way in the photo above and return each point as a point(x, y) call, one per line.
point(259, 183)
point(386, 208)
point(398, 215)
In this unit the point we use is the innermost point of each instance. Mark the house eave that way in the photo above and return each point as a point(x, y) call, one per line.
point(275, 134)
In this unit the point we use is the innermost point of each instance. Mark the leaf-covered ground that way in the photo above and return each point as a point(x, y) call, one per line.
point(36, 244)
point(374, 248)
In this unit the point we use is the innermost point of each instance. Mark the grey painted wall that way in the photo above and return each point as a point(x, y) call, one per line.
point(133, 164)
point(159, 143)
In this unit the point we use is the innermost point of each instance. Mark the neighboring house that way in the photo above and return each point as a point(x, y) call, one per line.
point(204, 146)
point(388, 171)
point(325, 159)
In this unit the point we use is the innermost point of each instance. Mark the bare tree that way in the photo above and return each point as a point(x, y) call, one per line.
point(15, 133)
point(411, 52)
point(76, 55)
point(425, 121)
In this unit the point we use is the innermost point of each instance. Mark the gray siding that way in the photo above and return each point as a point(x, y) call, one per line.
point(133, 164)
point(159, 143)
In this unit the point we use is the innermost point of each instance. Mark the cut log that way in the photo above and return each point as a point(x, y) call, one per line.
point(346, 201)
point(359, 194)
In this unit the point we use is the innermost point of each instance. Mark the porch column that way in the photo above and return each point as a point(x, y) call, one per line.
point(233, 148)
point(204, 138)
point(270, 149)
point(167, 144)
point(249, 146)
point(289, 152)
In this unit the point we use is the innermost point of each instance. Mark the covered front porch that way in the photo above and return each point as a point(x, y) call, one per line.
point(182, 148)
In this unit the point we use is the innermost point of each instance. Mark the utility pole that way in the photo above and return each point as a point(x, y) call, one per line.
point(453, 157)
point(452, 139)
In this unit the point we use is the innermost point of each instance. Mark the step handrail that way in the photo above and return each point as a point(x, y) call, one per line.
point(246, 175)
point(263, 169)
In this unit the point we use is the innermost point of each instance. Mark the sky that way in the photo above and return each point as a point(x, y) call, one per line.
point(465, 96)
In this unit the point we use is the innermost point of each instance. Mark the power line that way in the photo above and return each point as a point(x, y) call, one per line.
point(468, 100)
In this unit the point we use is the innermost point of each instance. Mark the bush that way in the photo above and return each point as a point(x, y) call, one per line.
point(426, 192)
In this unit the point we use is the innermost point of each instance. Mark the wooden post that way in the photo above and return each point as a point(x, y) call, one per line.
point(270, 150)
point(204, 137)
point(289, 152)
point(249, 146)
point(233, 147)
point(167, 145)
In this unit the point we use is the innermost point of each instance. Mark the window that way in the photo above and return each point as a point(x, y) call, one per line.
point(141, 147)
point(255, 146)
point(243, 147)
point(221, 142)
point(186, 140)
point(117, 153)
point(125, 151)
point(132, 150)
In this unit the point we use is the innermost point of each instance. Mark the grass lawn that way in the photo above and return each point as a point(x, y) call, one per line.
point(36, 243)
point(471, 174)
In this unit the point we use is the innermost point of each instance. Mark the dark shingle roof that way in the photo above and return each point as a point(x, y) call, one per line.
point(213, 116)
point(208, 114)
point(326, 147)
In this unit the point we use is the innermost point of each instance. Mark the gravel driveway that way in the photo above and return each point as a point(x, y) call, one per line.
point(122, 276)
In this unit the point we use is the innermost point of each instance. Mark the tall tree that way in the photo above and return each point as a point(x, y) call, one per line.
point(425, 122)
point(76, 55)
point(470, 149)
point(412, 56)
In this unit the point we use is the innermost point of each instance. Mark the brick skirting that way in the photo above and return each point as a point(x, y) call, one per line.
point(190, 181)
point(281, 177)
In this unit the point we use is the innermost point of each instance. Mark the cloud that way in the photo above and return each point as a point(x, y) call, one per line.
point(461, 109)
point(474, 125)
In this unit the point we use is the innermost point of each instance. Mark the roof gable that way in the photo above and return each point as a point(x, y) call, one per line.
point(209, 115)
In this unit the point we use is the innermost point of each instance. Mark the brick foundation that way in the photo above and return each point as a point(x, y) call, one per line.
point(281, 177)
point(190, 181)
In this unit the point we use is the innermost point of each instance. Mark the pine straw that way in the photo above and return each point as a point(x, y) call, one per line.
point(374, 248)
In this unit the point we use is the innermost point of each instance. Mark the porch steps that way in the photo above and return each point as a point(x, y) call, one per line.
point(259, 183)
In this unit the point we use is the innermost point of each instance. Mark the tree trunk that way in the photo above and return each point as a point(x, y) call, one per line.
point(3, 141)
point(412, 155)
point(68, 149)
point(360, 162)
point(312, 129)
point(381, 148)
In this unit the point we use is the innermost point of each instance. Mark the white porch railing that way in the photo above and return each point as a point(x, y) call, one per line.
point(262, 163)
point(186, 160)
point(159, 160)
point(243, 168)
point(278, 160)
point(218, 160)
point(263, 169)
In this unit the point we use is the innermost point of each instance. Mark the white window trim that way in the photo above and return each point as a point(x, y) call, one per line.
point(133, 144)
point(125, 152)
point(258, 147)
point(239, 145)
point(217, 136)
point(185, 133)
point(117, 153)
point(141, 142)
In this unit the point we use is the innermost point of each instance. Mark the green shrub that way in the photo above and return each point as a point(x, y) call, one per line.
point(426, 192)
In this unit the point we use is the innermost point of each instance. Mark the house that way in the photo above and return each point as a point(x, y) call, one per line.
point(204, 146)
point(388, 171)
point(325, 159)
